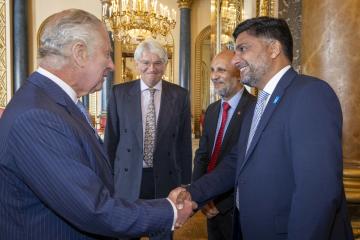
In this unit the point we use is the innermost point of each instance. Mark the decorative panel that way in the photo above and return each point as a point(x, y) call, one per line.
point(3, 62)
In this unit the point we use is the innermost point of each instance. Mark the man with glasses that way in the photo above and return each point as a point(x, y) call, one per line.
point(148, 132)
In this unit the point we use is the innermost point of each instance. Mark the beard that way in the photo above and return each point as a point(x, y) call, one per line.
point(256, 72)
point(222, 92)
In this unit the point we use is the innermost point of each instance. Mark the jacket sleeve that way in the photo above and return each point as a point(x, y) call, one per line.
point(203, 153)
point(52, 161)
point(219, 181)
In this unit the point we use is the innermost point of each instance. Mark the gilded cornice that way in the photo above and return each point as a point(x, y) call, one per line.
point(184, 3)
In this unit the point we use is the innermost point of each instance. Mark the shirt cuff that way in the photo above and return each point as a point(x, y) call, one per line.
point(175, 214)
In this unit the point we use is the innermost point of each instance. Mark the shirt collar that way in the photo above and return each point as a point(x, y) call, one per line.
point(233, 102)
point(271, 85)
point(144, 87)
point(63, 85)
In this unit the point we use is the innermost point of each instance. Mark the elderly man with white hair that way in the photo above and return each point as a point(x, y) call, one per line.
point(148, 131)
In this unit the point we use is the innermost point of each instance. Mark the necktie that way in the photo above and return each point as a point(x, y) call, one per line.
point(219, 137)
point(86, 115)
point(259, 109)
point(150, 126)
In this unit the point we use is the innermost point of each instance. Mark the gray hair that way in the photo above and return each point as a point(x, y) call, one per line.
point(61, 30)
point(153, 47)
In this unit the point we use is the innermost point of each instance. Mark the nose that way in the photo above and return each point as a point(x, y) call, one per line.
point(214, 76)
point(151, 67)
point(235, 59)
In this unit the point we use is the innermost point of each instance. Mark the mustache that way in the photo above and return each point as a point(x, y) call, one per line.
point(241, 65)
point(217, 81)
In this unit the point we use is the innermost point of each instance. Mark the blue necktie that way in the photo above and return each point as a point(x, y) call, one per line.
point(86, 115)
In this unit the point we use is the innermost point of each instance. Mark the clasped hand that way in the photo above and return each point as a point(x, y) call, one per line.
point(184, 205)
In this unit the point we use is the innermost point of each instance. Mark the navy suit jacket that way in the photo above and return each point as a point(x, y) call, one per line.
point(290, 181)
point(224, 202)
point(124, 139)
point(56, 181)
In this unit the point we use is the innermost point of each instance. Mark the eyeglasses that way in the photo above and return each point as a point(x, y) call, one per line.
point(156, 64)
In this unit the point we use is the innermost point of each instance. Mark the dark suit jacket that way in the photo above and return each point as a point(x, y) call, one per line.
point(56, 180)
point(290, 182)
point(124, 139)
point(225, 202)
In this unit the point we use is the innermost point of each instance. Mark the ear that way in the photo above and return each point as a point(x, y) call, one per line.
point(79, 53)
point(275, 48)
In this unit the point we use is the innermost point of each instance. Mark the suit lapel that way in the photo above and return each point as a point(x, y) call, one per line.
point(54, 92)
point(236, 118)
point(134, 105)
point(166, 107)
point(272, 104)
point(214, 118)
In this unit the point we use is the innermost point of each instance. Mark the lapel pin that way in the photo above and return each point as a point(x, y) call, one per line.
point(276, 100)
point(238, 113)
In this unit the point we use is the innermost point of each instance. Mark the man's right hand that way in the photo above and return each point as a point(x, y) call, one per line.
point(185, 207)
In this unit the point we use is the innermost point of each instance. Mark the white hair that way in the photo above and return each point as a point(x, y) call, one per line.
point(153, 47)
point(62, 30)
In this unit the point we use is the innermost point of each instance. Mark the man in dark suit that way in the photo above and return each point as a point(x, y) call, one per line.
point(148, 130)
point(221, 132)
point(287, 166)
point(56, 180)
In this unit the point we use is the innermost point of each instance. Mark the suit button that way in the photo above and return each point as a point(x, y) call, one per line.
point(125, 169)
point(168, 153)
point(173, 135)
point(170, 172)
point(125, 130)
point(129, 150)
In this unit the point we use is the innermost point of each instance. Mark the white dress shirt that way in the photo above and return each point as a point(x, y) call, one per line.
point(271, 85)
point(63, 85)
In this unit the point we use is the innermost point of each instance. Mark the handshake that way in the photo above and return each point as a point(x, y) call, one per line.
point(184, 205)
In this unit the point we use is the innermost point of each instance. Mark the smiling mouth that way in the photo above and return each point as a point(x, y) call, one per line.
point(243, 68)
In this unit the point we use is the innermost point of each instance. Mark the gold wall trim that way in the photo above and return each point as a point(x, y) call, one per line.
point(3, 55)
point(197, 94)
point(184, 3)
point(265, 8)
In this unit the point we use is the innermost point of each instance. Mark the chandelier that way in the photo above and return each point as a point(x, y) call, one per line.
point(131, 21)
point(228, 18)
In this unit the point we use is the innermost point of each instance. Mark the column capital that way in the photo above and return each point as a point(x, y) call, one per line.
point(184, 3)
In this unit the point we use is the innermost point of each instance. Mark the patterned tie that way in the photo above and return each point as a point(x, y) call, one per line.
point(150, 127)
point(259, 109)
point(219, 138)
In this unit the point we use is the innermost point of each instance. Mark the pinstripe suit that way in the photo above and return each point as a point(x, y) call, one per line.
point(56, 181)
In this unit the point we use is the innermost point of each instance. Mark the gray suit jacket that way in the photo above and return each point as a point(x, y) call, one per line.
point(124, 139)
